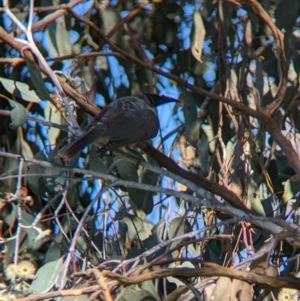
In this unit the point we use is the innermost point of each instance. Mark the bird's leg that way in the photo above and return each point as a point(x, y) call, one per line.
point(128, 153)
point(104, 151)
point(138, 156)
point(134, 154)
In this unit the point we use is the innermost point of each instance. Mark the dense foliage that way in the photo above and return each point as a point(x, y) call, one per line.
point(209, 209)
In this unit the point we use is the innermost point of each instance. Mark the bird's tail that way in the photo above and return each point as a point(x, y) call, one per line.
point(72, 149)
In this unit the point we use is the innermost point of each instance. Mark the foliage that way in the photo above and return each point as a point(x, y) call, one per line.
point(208, 210)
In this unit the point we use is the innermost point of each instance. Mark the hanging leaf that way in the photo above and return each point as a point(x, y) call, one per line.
point(47, 275)
point(198, 36)
point(177, 281)
point(37, 80)
point(150, 178)
point(128, 171)
point(19, 89)
point(26, 150)
point(134, 292)
point(54, 116)
point(259, 79)
point(96, 163)
point(58, 38)
point(37, 186)
point(192, 127)
point(291, 188)
point(57, 180)
point(18, 114)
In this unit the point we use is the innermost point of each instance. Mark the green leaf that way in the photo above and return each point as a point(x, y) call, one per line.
point(26, 150)
point(203, 151)
point(37, 80)
point(58, 38)
point(36, 184)
point(128, 171)
point(30, 242)
point(110, 17)
point(96, 163)
point(47, 275)
point(199, 33)
point(18, 114)
point(75, 298)
point(149, 287)
point(135, 293)
point(150, 178)
point(286, 14)
point(54, 183)
point(269, 204)
point(11, 166)
point(192, 127)
point(214, 253)
point(259, 79)
point(291, 187)
point(134, 226)
point(73, 198)
point(254, 195)
point(184, 227)
point(51, 114)
point(225, 12)
point(20, 90)
point(185, 264)
point(52, 253)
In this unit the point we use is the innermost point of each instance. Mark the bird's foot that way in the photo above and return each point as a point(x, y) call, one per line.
point(103, 152)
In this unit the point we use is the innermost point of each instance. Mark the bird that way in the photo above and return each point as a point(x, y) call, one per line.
point(123, 122)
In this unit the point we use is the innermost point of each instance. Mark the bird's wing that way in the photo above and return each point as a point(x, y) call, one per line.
point(117, 125)
point(72, 149)
point(128, 127)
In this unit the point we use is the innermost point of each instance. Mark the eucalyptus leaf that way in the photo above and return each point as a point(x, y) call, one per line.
point(81, 297)
point(53, 253)
point(73, 198)
point(134, 226)
point(53, 181)
point(10, 166)
point(198, 36)
point(36, 184)
point(54, 116)
point(128, 171)
point(259, 79)
point(110, 18)
point(26, 150)
point(30, 242)
point(203, 152)
point(37, 80)
point(18, 114)
point(192, 126)
point(254, 195)
point(225, 11)
point(56, 179)
point(149, 287)
point(47, 275)
point(214, 253)
point(20, 90)
point(185, 264)
point(134, 292)
point(96, 163)
point(291, 188)
point(150, 178)
point(58, 38)
point(178, 227)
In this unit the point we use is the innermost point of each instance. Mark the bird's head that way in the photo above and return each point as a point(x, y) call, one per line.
point(157, 100)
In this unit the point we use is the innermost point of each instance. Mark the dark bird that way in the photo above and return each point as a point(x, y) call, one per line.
point(125, 121)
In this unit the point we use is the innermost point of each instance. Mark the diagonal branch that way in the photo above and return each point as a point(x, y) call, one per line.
point(256, 7)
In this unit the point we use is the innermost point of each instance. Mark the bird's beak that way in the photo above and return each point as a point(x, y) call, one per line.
point(158, 100)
